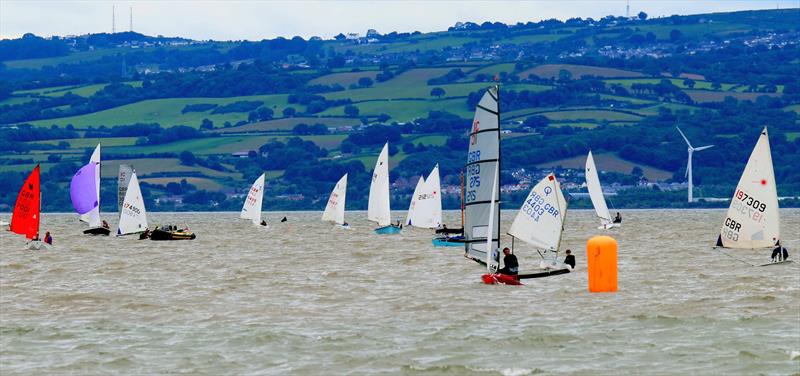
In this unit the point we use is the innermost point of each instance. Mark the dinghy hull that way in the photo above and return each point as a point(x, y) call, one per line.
point(456, 241)
point(497, 278)
point(388, 230)
point(97, 231)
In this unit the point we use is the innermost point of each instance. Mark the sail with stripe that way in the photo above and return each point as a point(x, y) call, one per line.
point(334, 210)
point(753, 219)
point(132, 217)
point(482, 198)
point(378, 209)
point(251, 209)
point(596, 193)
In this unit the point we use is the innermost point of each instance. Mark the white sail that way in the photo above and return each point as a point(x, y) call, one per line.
point(378, 209)
point(413, 215)
point(124, 177)
point(132, 217)
point(540, 219)
point(252, 204)
point(753, 219)
point(428, 213)
point(482, 196)
point(596, 192)
point(93, 216)
point(334, 211)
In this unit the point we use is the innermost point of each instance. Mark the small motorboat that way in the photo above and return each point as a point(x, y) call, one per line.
point(180, 234)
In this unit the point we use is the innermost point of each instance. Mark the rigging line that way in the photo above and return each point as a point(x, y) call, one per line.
point(733, 257)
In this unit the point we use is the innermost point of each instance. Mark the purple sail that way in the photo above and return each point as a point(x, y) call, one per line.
point(83, 189)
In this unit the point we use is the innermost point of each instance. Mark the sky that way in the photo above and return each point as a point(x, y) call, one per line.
point(266, 19)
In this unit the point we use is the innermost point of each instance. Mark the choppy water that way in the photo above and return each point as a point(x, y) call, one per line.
point(306, 298)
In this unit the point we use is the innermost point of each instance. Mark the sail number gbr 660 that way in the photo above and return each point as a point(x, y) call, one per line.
point(473, 175)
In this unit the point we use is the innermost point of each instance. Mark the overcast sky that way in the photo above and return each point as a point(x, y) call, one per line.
point(260, 19)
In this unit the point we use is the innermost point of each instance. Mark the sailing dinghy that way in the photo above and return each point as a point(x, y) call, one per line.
point(251, 209)
point(451, 237)
point(84, 190)
point(540, 223)
point(132, 215)
point(482, 197)
point(378, 209)
point(334, 210)
point(413, 214)
point(27, 211)
point(596, 194)
point(753, 218)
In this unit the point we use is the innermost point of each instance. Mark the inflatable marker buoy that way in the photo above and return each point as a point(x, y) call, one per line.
point(601, 262)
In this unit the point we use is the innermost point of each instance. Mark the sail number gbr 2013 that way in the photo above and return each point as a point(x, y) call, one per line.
point(473, 175)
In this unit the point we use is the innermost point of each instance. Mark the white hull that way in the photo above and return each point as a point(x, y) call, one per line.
point(36, 245)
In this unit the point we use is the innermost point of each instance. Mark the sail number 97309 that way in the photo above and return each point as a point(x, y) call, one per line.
point(747, 199)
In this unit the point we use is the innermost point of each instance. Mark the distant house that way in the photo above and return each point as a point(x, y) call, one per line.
point(372, 33)
point(291, 197)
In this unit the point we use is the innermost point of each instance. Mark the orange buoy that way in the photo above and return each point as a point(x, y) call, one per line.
point(601, 261)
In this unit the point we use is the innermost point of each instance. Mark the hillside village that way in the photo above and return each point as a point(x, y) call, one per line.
point(201, 119)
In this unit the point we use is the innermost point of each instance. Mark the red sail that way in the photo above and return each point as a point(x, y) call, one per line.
point(26, 211)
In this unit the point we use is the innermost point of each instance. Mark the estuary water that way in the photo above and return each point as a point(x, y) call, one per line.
point(304, 297)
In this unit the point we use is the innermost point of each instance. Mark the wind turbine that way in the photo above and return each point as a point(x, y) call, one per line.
point(691, 151)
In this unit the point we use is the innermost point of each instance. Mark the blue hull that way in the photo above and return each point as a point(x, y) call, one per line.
point(448, 242)
point(388, 230)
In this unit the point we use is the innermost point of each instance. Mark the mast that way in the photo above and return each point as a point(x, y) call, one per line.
point(561, 233)
point(499, 165)
point(462, 200)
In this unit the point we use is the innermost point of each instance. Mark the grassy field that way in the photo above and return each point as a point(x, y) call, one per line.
point(595, 115)
point(704, 85)
point(72, 58)
point(551, 71)
point(704, 96)
point(345, 79)
point(490, 71)
point(794, 107)
point(653, 110)
point(534, 38)
point(200, 183)
point(86, 143)
point(791, 136)
point(286, 124)
point(224, 145)
point(406, 110)
point(432, 140)
point(148, 166)
point(166, 112)
point(608, 162)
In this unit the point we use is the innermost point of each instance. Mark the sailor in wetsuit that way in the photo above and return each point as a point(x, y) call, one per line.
point(570, 259)
point(510, 264)
point(618, 218)
point(779, 253)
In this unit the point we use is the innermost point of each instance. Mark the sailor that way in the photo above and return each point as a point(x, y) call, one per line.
point(284, 220)
point(779, 253)
point(105, 224)
point(570, 259)
point(47, 238)
point(618, 218)
point(510, 264)
point(263, 222)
